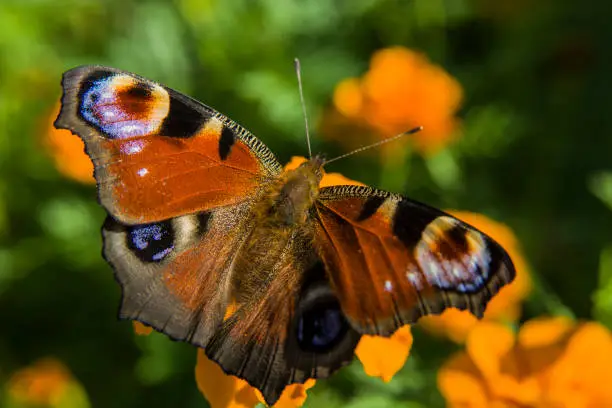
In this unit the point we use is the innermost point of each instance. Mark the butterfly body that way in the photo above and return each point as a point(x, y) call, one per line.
point(203, 221)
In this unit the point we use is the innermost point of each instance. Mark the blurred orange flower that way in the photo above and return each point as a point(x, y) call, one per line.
point(401, 90)
point(47, 382)
point(68, 151)
point(506, 305)
point(551, 363)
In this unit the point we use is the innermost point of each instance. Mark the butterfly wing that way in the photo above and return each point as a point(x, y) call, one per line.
point(175, 274)
point(291, 331)
point(159, 154)
point(177, 179)
point(392, 260)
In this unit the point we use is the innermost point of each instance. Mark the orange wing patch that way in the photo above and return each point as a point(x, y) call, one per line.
point(367, 264)
point(148, 179)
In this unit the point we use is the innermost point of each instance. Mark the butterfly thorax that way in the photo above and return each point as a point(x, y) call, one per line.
point(288, 200)
point(280, 227)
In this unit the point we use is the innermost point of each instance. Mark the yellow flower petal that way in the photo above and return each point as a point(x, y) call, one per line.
point(383, 357)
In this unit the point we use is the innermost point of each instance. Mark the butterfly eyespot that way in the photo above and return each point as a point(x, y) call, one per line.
point(452, 257)
point(151, 242)
point(121, 107)
point(321, 327)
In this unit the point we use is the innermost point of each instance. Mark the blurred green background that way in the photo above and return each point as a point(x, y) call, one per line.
point(535, 153)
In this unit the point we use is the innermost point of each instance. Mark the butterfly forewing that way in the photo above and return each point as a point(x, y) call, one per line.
point(157, 153)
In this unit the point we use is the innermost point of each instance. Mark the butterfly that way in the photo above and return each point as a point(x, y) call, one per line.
point(202, 218)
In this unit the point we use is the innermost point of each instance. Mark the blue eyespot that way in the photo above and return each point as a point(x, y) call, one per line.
point(102, 107)
point(151, 242)
point(321, 327)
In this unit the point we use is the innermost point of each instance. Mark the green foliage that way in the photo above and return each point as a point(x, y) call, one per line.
point(535, 152)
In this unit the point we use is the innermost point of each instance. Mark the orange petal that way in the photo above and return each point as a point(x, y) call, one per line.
point(348, 98)
point(586, 363)
point(383, 357)
point(336, 179)
point(329, 179)
point(461, 384)
point(295, 162)
point(68, 151)
point(543, 331)
point(293, 395)
point(454, 323)
point(486, 344)
point(222, 390)
point(141, 328)
point(42, 383)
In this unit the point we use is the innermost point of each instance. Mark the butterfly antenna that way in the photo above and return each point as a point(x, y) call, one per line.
point(390, 139)
point(298, 72)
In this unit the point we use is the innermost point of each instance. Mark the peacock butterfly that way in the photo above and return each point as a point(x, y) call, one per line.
point(202, 216)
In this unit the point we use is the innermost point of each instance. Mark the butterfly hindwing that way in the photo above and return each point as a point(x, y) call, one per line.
point(159, 154)
point(392, 260)
point(175, 274)
point(292, 330)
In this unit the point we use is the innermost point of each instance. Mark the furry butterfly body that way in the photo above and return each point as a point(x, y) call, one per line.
point(202, 217)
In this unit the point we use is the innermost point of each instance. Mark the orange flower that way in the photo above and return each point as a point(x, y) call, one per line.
point(68, 151)
point(47, 382)
point(506, 305)
point(551, 363)
point(401, 90)
point(42, 383)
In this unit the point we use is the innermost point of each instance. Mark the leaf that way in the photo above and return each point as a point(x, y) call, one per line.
point(602, 298)
point(601, 186)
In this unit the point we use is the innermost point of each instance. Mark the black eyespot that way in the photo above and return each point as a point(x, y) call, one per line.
point(321, 327)
point(140, 91)
point(151, 242)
